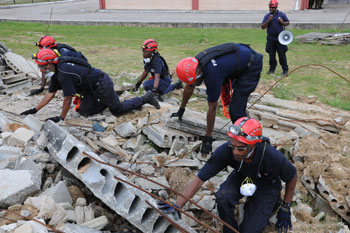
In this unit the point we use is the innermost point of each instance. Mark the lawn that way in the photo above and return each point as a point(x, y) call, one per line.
point(116, 49)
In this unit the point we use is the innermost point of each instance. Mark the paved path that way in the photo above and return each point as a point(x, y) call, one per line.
point(88, 12)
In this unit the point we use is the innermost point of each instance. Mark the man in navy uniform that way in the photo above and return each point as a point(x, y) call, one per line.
point(48, 42)
point(230, 71)
point(275, 21)
point(160, 81)
point(256, 163)
point(95, 88)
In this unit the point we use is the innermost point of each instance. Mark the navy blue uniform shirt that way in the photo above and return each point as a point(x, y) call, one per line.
point(156, 66)
point(222, 67)
point(275, 167)
point(70, 79)
point(275, 27)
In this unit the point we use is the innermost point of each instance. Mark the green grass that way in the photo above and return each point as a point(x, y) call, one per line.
point(116, 49)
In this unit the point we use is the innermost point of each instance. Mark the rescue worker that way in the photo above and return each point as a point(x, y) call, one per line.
point(48, 42)
point(76, 77)
point(275, 22)
point(258, 171)
point(229, 70)
point(311, 4)
point(160, 81)
point(318, 5)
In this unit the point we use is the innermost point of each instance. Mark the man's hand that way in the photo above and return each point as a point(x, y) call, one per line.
point(36, 91)
point(179, 113)
point(30, 111)
point(55, 119)
point(280, 20)
point(168, 210)
point(284, 222)
point(206, 147)
point(270, 18)
point(137, 85)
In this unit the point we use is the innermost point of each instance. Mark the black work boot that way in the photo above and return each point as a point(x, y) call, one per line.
point(149, 98)
point(178, 85)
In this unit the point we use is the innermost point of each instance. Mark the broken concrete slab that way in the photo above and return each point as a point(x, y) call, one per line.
point(16, 186)
point(59, 193)
point(20, 137)
point(125, 130)
point(121, 198)
point(96, 223)
point(21, 65)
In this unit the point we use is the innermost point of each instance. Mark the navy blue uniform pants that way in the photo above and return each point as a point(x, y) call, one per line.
point(257, 209)
point(272, 46)
point(164, 87)
point(243, 85)
point(104, 96)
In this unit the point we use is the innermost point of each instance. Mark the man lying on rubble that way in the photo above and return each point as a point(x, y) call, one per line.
point(258, 171)
point(160, 81)
point(48, 42)
point(94, 87)
point(229, 70)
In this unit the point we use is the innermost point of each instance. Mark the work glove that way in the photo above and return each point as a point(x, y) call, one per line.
point(36, 91)
point(55, 119)
point(30, 111)
point(157, 94)
point(284, 222)
point(206, 147)
point(179, 113)
point(168, 210)
point(137, 85)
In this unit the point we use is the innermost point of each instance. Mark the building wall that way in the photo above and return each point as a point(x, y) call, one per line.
point(199, 4)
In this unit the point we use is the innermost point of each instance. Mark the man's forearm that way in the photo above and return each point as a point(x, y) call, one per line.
point(47, 98)
point(290, 187)
point(211, 114)
point(66, 105)
point(187, 93)
point(189, 191)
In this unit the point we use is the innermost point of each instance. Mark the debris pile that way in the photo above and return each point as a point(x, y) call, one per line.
point(15, 71)
point(74, 177)
point(325, 38)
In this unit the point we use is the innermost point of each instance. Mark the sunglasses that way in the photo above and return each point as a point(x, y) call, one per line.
point(239, 148)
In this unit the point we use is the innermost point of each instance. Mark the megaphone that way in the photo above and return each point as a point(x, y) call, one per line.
point(285, 37)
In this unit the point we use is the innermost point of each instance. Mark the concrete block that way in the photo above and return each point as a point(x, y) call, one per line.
point(135, 143)
point(125, 200)
point(3, 122)
point(6, 135)
point(59, 193)
point(164, 137)
point(110, 140)
point(73, 228)
point(10, 79)
point(88, 213)
point(33, 123)
point(81, 202)
point(97, 223)
point(16, 186)
point(42, 141)
point(79, 214)
point(25, 228)
point(16, 86)
point(152, 186)
point(70, 216)
point(21, 136)
point(125, 130)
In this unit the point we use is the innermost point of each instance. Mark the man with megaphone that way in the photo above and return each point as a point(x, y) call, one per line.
point(275, 21)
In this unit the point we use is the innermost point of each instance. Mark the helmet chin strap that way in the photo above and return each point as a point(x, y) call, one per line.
point(250, 152)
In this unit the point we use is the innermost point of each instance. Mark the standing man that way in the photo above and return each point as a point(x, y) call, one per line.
point(254, 160)
point(160, 82)
point(230, 70)
point(48, 42)
point(275, 21)
point(75, 77)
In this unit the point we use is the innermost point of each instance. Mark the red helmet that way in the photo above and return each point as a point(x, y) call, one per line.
point(273, 3)
point(46, 42)
point(150, 45)
point(186, 70)
point(246, 130)
point(45, 56)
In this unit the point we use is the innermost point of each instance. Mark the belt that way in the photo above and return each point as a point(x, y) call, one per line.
point(252, 58)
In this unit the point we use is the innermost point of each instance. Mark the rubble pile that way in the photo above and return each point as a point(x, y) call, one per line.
point(64, 175)
point(325, 38)
point(15, 71)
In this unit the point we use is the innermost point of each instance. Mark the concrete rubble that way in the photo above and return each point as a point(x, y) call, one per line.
point(51, 171)
point(16, 72)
